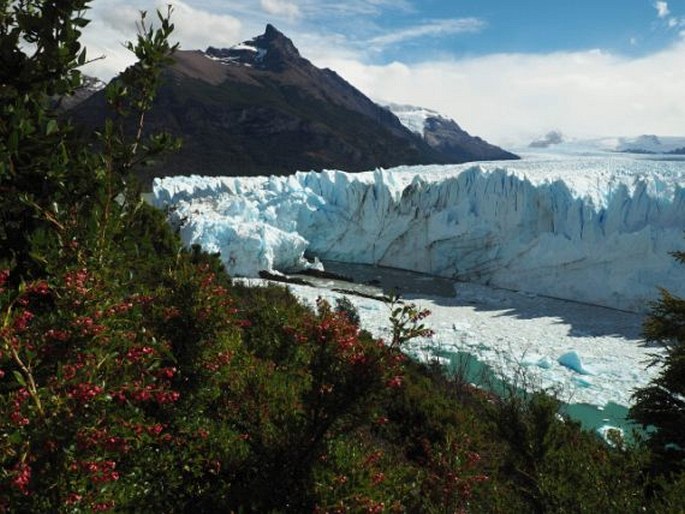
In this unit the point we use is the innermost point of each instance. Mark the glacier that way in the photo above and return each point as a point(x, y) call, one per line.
point(593, 228)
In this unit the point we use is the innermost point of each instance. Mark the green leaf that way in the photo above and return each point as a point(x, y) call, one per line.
point(15, 438)
point(51, 127)
point(19, 378)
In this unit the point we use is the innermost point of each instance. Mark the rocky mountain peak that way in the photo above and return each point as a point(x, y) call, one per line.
point(271, 51)
point(259, 107)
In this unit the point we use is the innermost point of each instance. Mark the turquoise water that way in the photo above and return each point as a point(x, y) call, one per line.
point(591, 417)
point(376, 280)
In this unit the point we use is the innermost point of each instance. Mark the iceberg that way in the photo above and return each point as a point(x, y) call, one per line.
point(572, 361)
point(590, 228)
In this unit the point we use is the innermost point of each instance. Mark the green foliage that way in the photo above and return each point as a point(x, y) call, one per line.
point(45, 177)
point(661, 405)
point(548, 464)
point(343, 304)
point(406, 322)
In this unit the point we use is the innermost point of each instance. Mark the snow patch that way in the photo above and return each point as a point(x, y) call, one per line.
point(413, 118)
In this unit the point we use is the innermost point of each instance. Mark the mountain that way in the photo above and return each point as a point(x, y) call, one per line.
point(553, 137)
point(446, 136)
point(88, 88)
point(651, 144)
point(261, 108)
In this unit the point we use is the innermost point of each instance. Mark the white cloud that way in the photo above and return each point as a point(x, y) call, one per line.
point(512, 98)
point(113, 23)
point(433, 28)
point(350, 8)
point(198, 29)
point(505, 98)
point(281, 8)
point(662, 9)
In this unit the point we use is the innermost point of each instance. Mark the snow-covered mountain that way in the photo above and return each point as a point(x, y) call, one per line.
point(444, 135)
point(89, 87)
point(412, 117)
point(591, 229)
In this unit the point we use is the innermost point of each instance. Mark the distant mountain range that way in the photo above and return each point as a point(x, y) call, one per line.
point(261, 108)
point(647, 144)
point(651, 144)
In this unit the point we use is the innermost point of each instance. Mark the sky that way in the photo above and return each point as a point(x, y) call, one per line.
point(508, 71)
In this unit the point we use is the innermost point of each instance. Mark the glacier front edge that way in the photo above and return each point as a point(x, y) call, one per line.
point(597, 230)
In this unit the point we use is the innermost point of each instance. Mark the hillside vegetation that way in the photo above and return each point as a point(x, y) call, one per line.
point(136, 376)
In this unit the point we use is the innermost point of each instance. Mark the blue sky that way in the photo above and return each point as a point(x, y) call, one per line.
point(473, 27)
point(504, 69)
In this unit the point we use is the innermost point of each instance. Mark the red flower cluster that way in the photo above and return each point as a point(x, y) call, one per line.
point(22, 321)
point(100, 472)
point(87, 326)
point(22, 477)
point(78, 281)
point(101, 438)
point(145, 393)
point(16, 416)
point(137, 354)
point(40, 288)
point(84, 392)
point(102, 506)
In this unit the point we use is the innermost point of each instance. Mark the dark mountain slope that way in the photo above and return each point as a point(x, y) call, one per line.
point(453, 142)
point(260, 107)
point(446, 136)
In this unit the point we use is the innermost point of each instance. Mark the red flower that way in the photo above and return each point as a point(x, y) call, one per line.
point(23, 478)
point(84, 392)
point(22, 321)
point(395, 382)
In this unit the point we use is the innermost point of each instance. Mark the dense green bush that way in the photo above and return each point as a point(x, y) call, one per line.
point(661, 405)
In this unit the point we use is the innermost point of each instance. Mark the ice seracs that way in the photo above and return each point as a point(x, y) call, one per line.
point(593, 229)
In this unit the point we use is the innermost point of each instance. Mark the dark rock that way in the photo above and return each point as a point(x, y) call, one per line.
point(447, 137)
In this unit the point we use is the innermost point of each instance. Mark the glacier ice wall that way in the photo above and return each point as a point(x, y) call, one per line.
point(597, 235)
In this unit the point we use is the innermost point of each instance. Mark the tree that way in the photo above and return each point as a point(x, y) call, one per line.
point(661, 405)
point(51, 181)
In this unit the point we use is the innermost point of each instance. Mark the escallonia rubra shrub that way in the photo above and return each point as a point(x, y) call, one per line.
point(84, 386)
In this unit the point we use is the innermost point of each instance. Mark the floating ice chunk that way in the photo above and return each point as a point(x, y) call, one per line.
point(544, 363)
point(572, 361)
point(581, 382)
